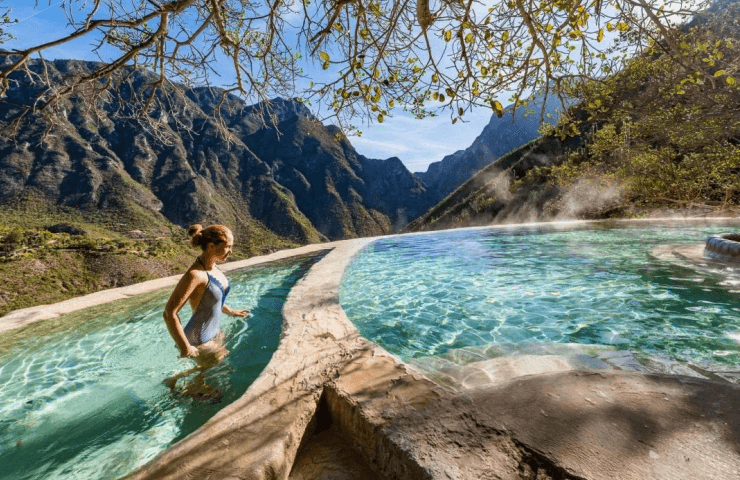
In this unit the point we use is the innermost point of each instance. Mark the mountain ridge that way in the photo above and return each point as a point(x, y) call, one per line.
point(198, 176)
point(499, 137)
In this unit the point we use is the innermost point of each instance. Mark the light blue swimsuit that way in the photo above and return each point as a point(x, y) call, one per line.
point(206, 320)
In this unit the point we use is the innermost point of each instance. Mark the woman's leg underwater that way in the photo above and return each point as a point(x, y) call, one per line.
point(211, 354)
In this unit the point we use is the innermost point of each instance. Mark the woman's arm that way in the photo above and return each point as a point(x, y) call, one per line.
point(185, 287)
point(234, 313)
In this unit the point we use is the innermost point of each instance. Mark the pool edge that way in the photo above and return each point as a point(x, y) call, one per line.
point(25, 316)
point(321, 360)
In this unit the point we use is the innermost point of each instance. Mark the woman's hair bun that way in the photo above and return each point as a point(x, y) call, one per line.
point(201, 237)
point(195, 232)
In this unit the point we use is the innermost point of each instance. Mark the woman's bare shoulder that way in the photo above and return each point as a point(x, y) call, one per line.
point(194, 276)
point(196, 273)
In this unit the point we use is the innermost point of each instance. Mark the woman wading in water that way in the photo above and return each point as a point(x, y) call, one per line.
point(206, 288)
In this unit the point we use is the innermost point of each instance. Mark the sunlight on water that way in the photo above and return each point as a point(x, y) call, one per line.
point(87, 402)
point(423, 295)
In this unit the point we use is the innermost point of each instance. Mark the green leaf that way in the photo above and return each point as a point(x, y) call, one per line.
point(600, 36)
point(497, 108)
point(730, 80)
point(324, 56)
point(380, 118)
point(719, 73)
point(448, 35)
point(505, 35)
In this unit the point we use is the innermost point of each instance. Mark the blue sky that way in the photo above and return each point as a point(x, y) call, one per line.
point(416, 142)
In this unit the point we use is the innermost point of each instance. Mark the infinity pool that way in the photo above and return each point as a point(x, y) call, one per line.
point(423, 295)
point(81, 397)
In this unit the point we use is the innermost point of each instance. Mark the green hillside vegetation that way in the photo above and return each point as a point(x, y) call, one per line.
point(50, 253)
point(666, 132)
point(663, 134)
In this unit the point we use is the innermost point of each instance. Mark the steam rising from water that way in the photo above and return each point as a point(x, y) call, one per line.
point(586, 198)
point(589, 196)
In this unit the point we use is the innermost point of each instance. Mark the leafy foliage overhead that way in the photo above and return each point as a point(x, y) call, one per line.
point(666, 130)
point(378, 55)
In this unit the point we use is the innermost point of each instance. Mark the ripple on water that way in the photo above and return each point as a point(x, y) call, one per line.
point(90, 403)
point(587, 285)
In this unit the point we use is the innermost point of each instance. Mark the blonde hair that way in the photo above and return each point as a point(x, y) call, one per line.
point(201, 237)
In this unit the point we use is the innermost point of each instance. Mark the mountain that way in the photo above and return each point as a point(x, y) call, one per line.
point(292, 178)
point(487, 199)
point(500, 136)
point(654, 138)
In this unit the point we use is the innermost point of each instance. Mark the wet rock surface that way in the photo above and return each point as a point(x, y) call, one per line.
point(724, 247)
point(594, 425)
point(477, 367)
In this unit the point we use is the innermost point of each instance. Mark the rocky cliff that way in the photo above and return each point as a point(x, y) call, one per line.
point(293, 177)
point(487, 199)
point(500, 136)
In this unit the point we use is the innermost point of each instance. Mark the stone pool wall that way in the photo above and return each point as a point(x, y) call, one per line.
point(724, 247)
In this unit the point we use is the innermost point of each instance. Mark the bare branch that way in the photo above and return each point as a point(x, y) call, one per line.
point(418, 55)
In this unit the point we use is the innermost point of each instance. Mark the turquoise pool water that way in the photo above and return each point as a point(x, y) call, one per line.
point(81, 397)
point(423, 295)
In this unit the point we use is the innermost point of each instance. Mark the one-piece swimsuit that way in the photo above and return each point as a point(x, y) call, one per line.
point(206, 321)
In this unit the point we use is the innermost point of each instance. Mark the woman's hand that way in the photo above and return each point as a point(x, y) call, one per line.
point(235, 313)
point(189, 352)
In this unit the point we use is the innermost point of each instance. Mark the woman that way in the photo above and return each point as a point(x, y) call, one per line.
point(206, 288)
